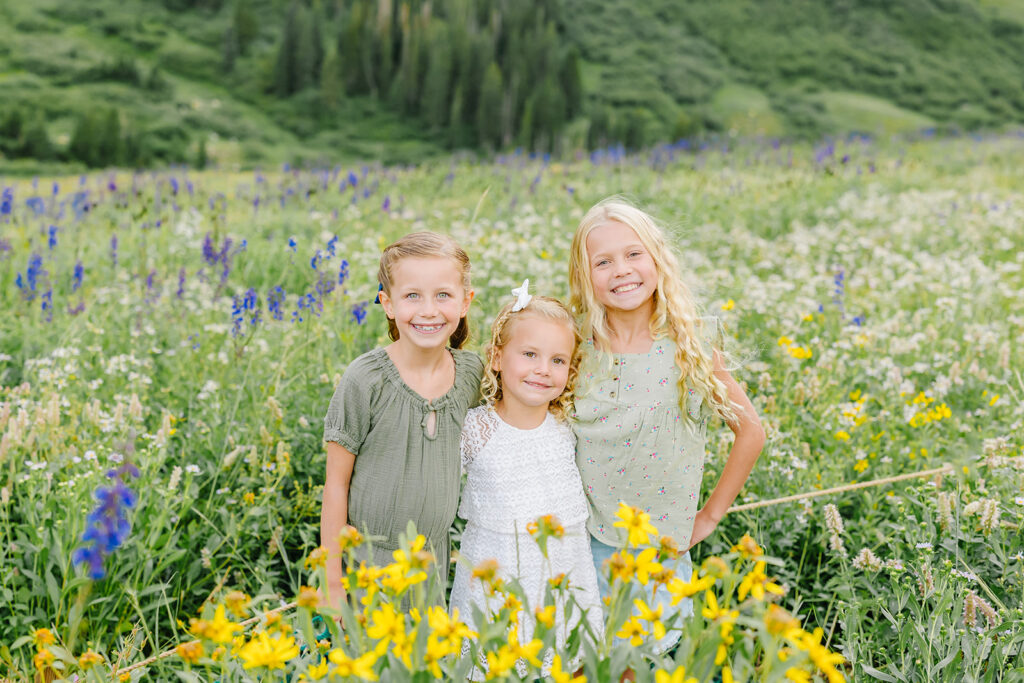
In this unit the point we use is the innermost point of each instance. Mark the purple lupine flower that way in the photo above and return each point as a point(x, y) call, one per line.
point(6, 201)
point(34, 273)
point(76, 277)
point(292, 243)
point(36, 204)
point(275, 298)
point(51, 240)
point(56, 189)
point(386, 205)
point(181, 283)
point(209, 251)
point(314, 262)
point(352, 179)
point(343, 272)
point(5, 248)
point(332, 245)
point(359, 312)
point(46, 304)
point(174, 186)
point(113, 249)
point(108, 525)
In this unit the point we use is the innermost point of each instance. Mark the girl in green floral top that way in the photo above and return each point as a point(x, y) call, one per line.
point(393, 426)
point(650, 379)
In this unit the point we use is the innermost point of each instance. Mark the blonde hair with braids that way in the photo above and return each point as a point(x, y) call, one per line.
point(675, 312)
point(420, 245)
point(546, 308)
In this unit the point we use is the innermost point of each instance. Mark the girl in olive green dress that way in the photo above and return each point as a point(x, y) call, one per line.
point(392, 428)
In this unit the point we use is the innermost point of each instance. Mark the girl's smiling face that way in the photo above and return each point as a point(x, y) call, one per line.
point(534, 364)
point(622, 270)
point(426, 301)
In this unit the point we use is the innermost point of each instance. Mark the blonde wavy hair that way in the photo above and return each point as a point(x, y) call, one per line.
point(501, 332)
point(426, 244)
point(675, 312)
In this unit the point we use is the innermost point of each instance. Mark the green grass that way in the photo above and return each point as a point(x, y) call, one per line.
point(850, 111)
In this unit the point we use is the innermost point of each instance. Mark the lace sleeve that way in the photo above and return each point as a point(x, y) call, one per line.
point(477, 430)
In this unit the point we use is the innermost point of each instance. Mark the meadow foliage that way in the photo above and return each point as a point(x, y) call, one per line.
point(170, 341)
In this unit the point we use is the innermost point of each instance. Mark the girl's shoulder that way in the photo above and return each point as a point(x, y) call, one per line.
point(373, 367)
point(468, 360)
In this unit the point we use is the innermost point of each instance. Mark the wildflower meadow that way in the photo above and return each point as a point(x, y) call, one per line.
point(170, 340)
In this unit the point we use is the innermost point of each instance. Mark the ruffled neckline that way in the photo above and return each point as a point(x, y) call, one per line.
point(387, 367)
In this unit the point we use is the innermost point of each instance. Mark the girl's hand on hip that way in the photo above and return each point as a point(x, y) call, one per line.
point(703, 526)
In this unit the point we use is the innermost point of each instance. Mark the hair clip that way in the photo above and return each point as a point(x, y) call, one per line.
point(521, 295)
point(380, 288)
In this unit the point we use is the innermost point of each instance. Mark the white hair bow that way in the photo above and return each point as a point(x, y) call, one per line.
point(522, 296)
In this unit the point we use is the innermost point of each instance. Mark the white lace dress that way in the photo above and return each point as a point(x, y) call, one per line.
point(513, 477)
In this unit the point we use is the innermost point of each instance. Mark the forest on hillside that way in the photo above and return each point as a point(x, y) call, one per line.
point(144, 82)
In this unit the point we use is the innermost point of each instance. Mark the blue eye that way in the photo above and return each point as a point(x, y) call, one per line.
point(411, 295)
point(445, 295)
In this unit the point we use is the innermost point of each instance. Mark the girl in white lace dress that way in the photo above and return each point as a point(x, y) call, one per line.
point(519, 458)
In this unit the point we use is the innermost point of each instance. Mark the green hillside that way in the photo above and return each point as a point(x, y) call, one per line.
point(144, 82)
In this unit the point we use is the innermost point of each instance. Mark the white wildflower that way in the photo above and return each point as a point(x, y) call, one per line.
point(867, 560)
point(834, 522)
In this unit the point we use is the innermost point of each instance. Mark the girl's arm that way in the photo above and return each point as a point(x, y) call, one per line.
point(334, 517)
point(745, 449)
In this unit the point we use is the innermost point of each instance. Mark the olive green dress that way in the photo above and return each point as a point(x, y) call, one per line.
point(402, 471)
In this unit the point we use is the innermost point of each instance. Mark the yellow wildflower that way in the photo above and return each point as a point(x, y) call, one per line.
point(748, 547)
point(756, 582)
point(315, 672)
point(238, 603)
point(361, 667)
point(651, 616)
point(43, 659)
point(266, 651)
point(676, 676)
point(684, 589)
point(500, 663)
point(448, 627)
point(778, 621)
point(729, 305)
point(317, 558)
point(436, 651)
point(221, 629)
point(632, 630)
point(528, 651)
point(545, 616)
point(822, 657)
point(249, 498)
point(387, 624)
point(308, 597)
point(89, 659)
point(42, 637)
point(561, 676)
point(191, 652)
point(861, 465)
point(637, 523)
point(798, 675)
point(349, 538)
point(785, 341)
point(842, 435)
point(512, 603)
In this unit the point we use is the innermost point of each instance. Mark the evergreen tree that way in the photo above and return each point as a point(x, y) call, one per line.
point(548, 115)
point(244, 25)
point(284, 67)
point(572, 83)
point(437, 86)
point(10, 132)
point(230, 50)
point(35, 142)
point(350, 48)
point(83, 140)
point(305, 69)
point(489, 111)
point(202, 159)
point(108, 145)
point(385, 45)
point(332, 81)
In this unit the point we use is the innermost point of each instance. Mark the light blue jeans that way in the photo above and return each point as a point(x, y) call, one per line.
point(683, 569)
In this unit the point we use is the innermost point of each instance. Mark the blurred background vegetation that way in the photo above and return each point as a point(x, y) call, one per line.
point(244, 82)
